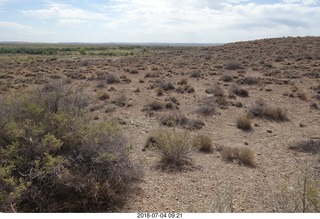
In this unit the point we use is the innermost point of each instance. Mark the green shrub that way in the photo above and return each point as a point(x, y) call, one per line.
point(175, 149)
point(53, 159)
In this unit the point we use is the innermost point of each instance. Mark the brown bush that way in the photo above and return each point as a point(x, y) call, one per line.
point(226, 78)
point(206, 107)
point(159, 91)
point(261, 110)
point(310, 146)
point(103, 96)
point(203, 143)
point(176, 118)
point(241, 155)
point(244, 122)
point(153, 106)
point(174, 148)
point(233, 65)
point(236, 90)
point(120, 100)
point(302, 94)
point(216, 90)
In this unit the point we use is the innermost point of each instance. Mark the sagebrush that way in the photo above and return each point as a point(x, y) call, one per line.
point(54, 159)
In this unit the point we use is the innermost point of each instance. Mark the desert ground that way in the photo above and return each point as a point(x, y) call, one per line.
point(282, 72)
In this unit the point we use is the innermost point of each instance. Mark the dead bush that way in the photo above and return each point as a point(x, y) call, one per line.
point(206, 107)
point(226, 78)
point(249, 80)
point(240, 155)
point(103, 96)
point(153, 106)
point(183, 81)
point(203, 143)
point(176, 118)
point(310, 146)
point(244, 122)
point(195, 73)
point(159, 91)
point(165, 85)
point(233, 65)
point(216, 90)
point(302, 94)
point(120, 100)
point(237, 90)
point(174, 148)
point(261, 110)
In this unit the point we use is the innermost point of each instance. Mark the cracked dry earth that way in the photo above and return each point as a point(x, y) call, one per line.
point(282, 68)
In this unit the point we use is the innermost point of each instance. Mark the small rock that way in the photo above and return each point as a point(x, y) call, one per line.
point(269, 130)
point(256, 125)
point(130, 103)
point(302, 125)
point(246, 143)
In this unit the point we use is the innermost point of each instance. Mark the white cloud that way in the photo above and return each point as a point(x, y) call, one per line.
point(178, 20)
point(65, 14)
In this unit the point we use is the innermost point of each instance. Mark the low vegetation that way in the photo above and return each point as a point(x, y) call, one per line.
point(240, 155)
point(261, 110)
point(176, 118)
point(53, 159)
point(174, 148)
point(203, 143)
point(244, 122)
point(310, 146)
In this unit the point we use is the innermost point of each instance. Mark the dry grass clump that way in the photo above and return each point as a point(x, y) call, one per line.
point(261, 110)
point(206, 109)
point(195, 73)
point(185, 89)
point(165, 85)
point(108, 78)
point(183, 81)
point(120, 100)
point(134, 71)
point(216, 90)
point(302, 94)
point(310, 146)
point(176, 118)
point(153, 106)
point(159, 91)
point(222, 102)
point(240, 155)
point(249, 80)
point(103, 96)
point(175, 149)
point(233, 65)
point(244, 122)
point(237, 90)
point(203, 143)
point(226, 78)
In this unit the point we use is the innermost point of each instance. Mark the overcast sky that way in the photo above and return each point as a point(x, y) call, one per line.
point(167, 21)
